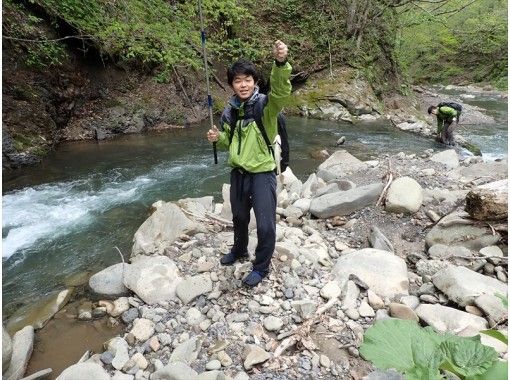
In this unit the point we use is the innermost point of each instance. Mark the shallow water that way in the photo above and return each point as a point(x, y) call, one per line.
point(67, 214)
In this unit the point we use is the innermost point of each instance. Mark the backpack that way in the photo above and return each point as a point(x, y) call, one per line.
point(456, 106)
point(256, 114)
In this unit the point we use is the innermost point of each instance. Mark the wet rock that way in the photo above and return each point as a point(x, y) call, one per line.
point(345, 202)
point(190, 288)
point(463, 285)
point(38, 314)
point(22, 346)
point(6, 349)
point(254, 355)
point(383, 272)
point(84, 371)
point(153, 279)
point(109, 281)
point(405, 195)
point(447, 319)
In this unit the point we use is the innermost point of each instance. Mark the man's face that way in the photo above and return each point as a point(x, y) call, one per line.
point(243, 86)
point(434, 111)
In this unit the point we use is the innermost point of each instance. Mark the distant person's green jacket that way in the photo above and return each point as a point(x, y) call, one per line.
point(248, 150)
point(445, 114)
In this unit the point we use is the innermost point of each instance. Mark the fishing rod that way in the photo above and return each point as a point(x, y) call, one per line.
point(209, 97)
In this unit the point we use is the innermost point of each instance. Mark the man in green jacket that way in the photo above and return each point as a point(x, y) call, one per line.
point(253, 179)
point(445, 117)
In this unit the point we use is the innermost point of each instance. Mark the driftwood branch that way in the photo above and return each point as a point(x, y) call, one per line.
point(389, 175)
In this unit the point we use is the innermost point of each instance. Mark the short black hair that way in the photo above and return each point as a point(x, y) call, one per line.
point(242, 67)
point(431, 108)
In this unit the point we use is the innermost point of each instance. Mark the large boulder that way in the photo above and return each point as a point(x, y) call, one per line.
point(447, 319)
point(162, 228)
point(383, 272)
point(110, 281)
point(448, 158)
point(84, 371)
point(197, 206)
point(6, 349)
point(404, 195)
point(455, 229)
point(175, 371)
point(39, 313)
point(338, 165)
point(22, 347)
point(345, 202)
point(463, 286)
point(153, 279)
point(226, 210)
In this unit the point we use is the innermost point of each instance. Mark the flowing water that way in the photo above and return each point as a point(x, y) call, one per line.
point(67, 214)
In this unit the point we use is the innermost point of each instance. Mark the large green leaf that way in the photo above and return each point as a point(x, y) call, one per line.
point(499, 371)
point(468, 357)
point(400, 344)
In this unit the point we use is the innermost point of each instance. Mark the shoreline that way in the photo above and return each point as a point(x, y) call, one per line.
point(303, 279)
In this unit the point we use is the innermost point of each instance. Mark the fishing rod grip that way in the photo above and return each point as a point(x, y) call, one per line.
point(215, 152)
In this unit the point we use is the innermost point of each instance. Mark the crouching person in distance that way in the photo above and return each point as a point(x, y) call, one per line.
point(253, 178)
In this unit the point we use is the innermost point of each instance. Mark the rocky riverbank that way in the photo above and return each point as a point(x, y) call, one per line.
point(345, 257)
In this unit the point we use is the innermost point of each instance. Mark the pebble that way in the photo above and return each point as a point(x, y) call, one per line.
point(365, 310)
point(427, 298)
point(213, 365)
point(374, 300)
point(353, 351)
point(325, 362)
point(352, 314)
point(225, 360)
point(272, 323)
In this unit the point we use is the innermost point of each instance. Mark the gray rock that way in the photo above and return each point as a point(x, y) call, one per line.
point(430, 267)
point(130, 315)
point(383, 272)
point(109, 281)
point(175, 371)
point(272, 323)
point(410, 301)
point(6, 349)
point(190, 288)
point(345, 202)
point(122, 376)
point(328, 189)
point(379, 241)
point(454, 230)
point(253, 355)
point(107, 357)
point(365, 310)
point(447, 319)
point(305, 308)
point(463, 285)
point(448, 158)
point(142, 329)
point(441, 251)
point(212, 365)
point(350, 295)
point(374, 300)
point(492, 306)
point(405, 195)
point(402, 312)
point(84, 371)
point(187, 351)
point(153, 279)
point(331, 290)
point(242, 376)
point(22, 346)
point(338, 165)
point(39, 375)
point(161, 229)
point(121, 354)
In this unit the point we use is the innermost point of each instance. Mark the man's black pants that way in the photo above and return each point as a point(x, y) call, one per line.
point(257, 191)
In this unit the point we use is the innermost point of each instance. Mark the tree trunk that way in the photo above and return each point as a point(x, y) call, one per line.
point(489, 201)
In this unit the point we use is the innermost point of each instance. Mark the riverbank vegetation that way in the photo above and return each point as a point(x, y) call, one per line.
point(392, 42)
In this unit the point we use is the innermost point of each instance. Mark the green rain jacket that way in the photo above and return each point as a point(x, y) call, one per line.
point(444, 114)
point(252, 154)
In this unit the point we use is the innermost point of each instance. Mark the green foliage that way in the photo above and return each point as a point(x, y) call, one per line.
point(440, 43)
point(420, 353)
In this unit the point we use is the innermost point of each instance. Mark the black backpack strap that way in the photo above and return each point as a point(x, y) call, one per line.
point(257, 116)
point(284, 138)
point(234, 115)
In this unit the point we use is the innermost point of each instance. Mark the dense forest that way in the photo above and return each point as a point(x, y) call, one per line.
point(394, 41)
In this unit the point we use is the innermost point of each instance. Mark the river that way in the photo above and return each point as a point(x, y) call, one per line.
point(67, 214)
